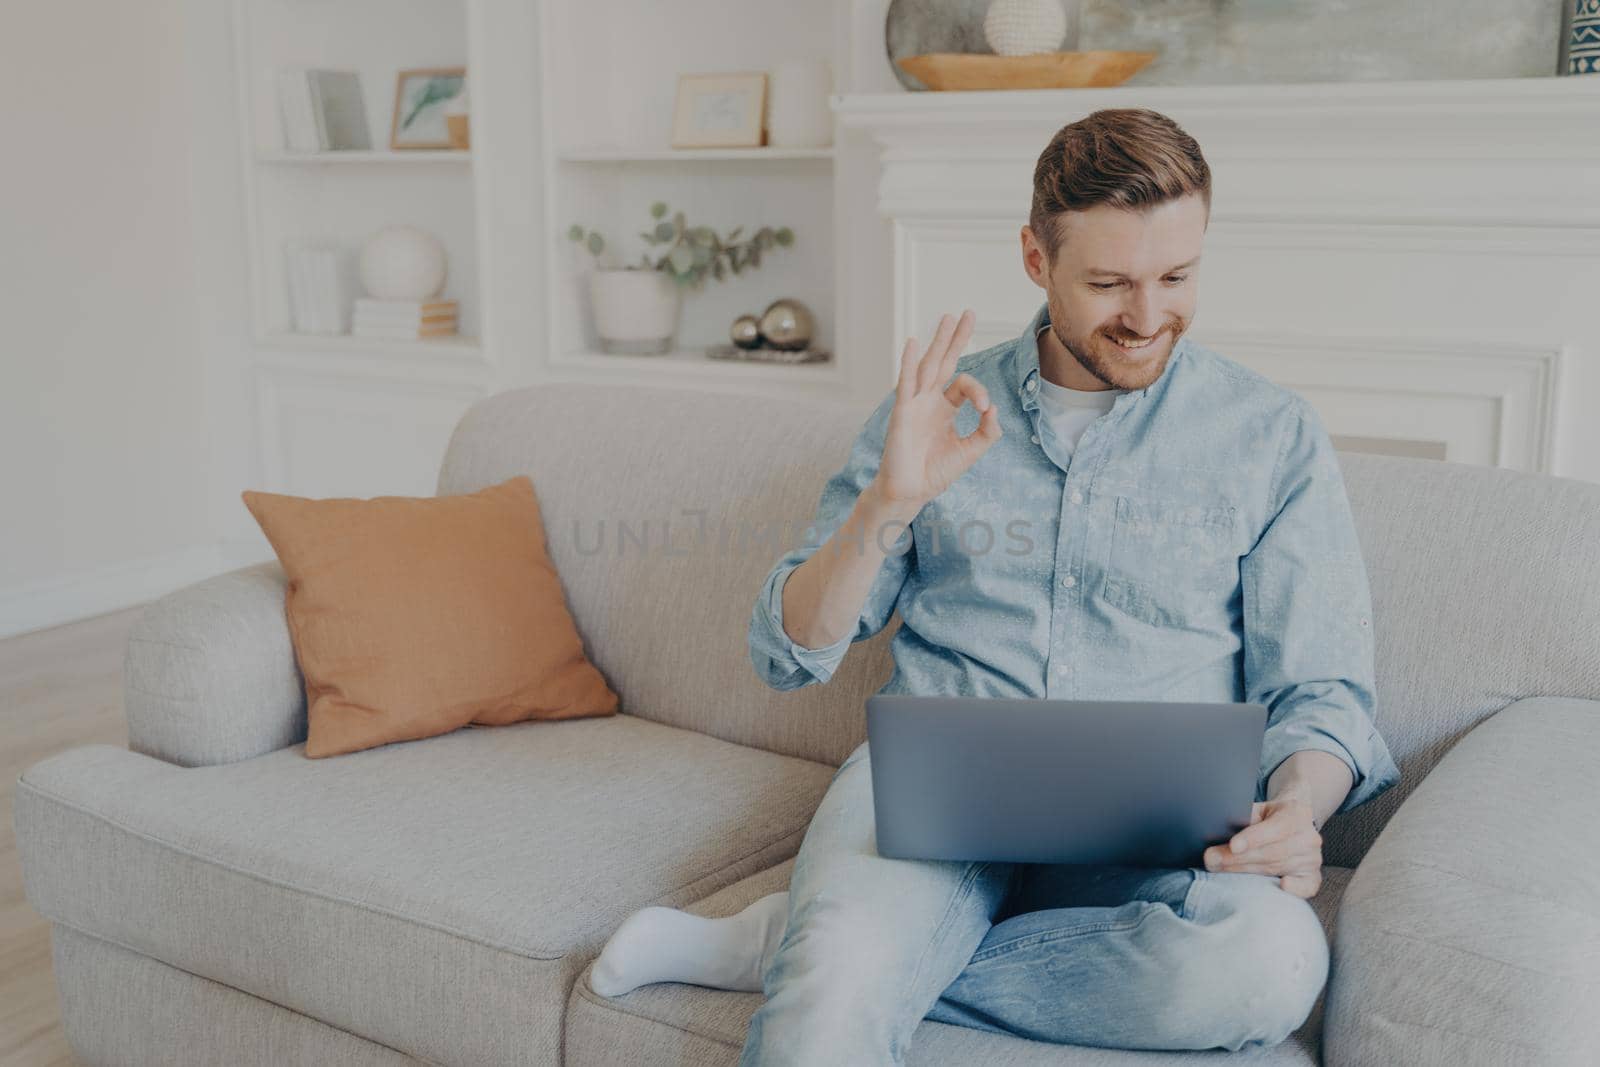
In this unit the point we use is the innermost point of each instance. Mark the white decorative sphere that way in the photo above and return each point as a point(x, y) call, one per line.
point(1024, 27)
point(402, 263)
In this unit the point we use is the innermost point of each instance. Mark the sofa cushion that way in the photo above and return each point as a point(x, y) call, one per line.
point(675, 1023)
point(437, 896)
point(413, 616)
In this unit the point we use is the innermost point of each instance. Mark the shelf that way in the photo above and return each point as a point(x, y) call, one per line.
point(615, 154)
point(454, 364)
point(1313, 106)
point(453, 347)
point(694, 362)
point(379, 158)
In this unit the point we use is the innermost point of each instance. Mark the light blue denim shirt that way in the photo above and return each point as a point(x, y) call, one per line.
point(1197, 545)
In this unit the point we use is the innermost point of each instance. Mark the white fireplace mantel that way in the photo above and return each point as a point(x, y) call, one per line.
point(1431, 153)
point(1420, 259)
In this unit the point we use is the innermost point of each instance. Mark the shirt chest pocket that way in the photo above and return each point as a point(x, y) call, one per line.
point(1172, 563)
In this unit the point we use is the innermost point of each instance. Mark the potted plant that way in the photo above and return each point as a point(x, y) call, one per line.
point(636, 306)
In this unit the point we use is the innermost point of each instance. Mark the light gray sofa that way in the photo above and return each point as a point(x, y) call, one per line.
point(217, 898)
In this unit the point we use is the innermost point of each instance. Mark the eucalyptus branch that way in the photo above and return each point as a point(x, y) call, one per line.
point(691, 253)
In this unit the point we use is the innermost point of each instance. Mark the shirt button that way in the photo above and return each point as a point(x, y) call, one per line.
point(1069, 581)
point(1034, 438)
point(1032, 385)
point(1076, 497)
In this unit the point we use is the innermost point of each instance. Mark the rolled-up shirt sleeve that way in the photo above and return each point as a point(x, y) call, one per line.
point(1308, 642)
point(781, 661)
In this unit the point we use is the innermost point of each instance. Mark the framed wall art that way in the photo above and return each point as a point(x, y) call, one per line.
point(421, 104)
point(720, 111)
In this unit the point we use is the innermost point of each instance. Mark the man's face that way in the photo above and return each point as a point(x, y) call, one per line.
point(1122, 276)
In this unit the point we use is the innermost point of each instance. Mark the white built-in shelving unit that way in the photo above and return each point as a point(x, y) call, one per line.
point(339, 414)
point(608, 77)
point(345, 197)
point(571, 113)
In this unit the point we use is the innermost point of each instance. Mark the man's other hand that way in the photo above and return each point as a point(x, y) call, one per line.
point(1281, 840)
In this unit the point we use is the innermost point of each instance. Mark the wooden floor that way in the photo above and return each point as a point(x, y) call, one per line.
point(58, 688)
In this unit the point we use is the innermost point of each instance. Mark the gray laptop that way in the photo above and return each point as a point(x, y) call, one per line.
point(1060, 781)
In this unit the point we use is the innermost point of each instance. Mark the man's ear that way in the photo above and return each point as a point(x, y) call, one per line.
point(1033, 259)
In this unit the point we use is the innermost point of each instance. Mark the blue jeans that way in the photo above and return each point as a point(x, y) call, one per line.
point(1117, 957)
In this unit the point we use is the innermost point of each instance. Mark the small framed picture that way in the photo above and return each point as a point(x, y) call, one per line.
point(720, 111)
point(421, 99)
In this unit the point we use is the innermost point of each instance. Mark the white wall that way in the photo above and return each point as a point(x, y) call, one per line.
point(118, 404)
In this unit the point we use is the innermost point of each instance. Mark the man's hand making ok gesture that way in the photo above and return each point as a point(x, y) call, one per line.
point(922, 452)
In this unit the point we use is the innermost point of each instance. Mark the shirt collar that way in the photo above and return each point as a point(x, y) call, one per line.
point(1027, 366)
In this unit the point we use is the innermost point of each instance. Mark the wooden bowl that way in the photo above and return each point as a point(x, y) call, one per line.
point(1046, 70)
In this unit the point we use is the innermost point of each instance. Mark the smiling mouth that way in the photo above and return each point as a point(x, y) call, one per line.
point(1131, 347)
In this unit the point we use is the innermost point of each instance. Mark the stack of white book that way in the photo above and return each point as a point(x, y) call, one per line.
point(404, 320)
point(320, 288)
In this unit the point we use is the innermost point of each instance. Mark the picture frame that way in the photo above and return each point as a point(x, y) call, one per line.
point(720, 110)
point(421, 97)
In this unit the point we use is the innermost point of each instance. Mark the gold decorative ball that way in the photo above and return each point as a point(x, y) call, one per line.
point(745, 331)
point(787, 324)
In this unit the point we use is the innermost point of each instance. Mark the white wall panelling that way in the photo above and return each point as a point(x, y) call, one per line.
point(1493, 404)
point(356, 435)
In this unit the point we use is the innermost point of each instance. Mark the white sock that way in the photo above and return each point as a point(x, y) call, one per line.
point(658, 944)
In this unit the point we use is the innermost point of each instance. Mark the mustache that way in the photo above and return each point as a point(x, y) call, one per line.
point(1118, 335)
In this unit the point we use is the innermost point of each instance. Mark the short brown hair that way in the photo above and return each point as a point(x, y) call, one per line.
point(1131, 158)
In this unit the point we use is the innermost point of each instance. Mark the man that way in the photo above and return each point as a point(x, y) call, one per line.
point(1099, 509)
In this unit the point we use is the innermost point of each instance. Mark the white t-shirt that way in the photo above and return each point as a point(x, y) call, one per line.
point(1066, 413)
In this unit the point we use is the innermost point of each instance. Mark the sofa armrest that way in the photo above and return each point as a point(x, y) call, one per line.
point(1470, 932)
point(210, 674)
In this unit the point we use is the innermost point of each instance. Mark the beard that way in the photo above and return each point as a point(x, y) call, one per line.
point(1101, 357)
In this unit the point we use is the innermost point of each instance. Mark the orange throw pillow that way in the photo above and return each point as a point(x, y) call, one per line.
point(413, 616)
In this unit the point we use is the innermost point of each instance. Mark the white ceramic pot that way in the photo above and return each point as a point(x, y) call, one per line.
point(635, 311)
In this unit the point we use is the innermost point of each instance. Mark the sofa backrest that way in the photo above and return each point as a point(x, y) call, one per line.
point(666, 624)
point(1486, 583)
point(1485, 589)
